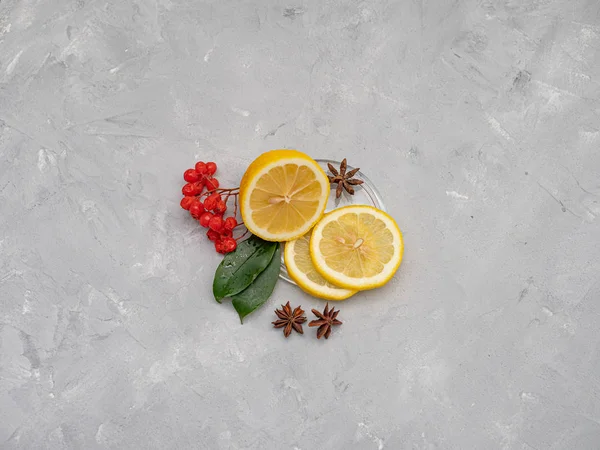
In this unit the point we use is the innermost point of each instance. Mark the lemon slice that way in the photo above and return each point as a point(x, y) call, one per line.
point(357, 247)
point(301, 270)
point(282, 195)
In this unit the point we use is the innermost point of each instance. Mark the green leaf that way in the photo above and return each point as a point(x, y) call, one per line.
point(241, 267)
point(260, 290)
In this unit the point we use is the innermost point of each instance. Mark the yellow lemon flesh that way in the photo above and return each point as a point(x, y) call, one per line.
point(357, 247)
point(302, 271)
point(282, 195)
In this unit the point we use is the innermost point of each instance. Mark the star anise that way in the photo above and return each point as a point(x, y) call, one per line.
point(342, 179)
point(326, 320)
point(289, 319)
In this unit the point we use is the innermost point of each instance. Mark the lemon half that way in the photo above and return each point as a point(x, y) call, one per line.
point(357, 247)
point(283, 194)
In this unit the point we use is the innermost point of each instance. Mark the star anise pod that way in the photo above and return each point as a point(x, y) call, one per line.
point(289, 319)
point(326, 320)
point(342, 179)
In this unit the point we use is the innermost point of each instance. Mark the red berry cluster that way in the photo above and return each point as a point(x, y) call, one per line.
point(208, 206)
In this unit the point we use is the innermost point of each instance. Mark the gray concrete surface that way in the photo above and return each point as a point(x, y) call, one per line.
point(480, 123)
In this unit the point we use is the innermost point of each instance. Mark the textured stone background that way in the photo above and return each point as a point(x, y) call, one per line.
point(479, 121)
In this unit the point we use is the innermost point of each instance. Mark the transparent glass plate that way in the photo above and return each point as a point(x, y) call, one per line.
point(364, 194)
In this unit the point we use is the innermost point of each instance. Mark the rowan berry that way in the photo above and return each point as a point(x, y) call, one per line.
point(229, 244)
point(220, 247)
point(230, 223)
point(211, 201)
point(221, 207)
point(212, 184)
point(216, 224)
point(205, 219)
point(201, 168)
point(186, 202)
point(196, 210)
point(213, 235)
point(188, 190)
point(211, 168)
point(191, 176)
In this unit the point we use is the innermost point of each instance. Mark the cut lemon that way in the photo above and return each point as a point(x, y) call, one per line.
point(301, 270)
point(357, 247)
point(282, 195)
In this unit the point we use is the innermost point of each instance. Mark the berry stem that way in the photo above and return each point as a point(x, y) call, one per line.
point(243, 235)
point(230, 192)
